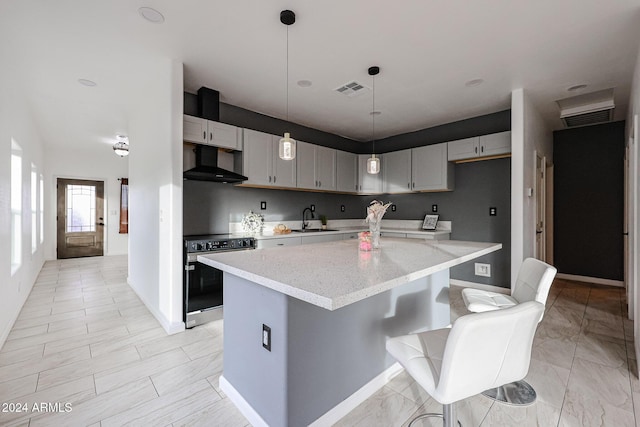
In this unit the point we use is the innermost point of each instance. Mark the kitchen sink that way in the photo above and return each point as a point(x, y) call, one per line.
point(311, 230)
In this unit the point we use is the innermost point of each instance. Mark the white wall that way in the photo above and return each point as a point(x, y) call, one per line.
point(632, 136)
point(529, 134)
point(100, 164)
point(16, 123)
point(155, 191)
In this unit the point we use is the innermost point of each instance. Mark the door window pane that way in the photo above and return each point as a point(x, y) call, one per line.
point(81, 208)
point(16, 206)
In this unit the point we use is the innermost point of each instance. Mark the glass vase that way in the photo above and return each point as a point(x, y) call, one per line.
point(374, 229)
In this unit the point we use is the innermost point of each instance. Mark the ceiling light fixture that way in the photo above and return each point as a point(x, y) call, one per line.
point(576, 87)
point(121, 148)
point(87, 82)
point(373, 162)
point(474, 82)
point(151, 15)
point(287, 145)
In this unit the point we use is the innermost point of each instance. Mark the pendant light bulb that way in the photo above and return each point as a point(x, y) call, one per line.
point(287, 147)
point(373, 165)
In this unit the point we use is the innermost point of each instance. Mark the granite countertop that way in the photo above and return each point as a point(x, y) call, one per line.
point(266, 234)
point(335, 274)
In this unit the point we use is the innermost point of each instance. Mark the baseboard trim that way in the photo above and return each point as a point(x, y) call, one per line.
point(330, 417)
point(350, 403)
point(481, 286)
point(243, 406)
point(170, 328)
point(596, 280)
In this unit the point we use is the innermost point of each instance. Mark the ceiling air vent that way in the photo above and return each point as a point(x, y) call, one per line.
point(352, 89)
point(587, 109)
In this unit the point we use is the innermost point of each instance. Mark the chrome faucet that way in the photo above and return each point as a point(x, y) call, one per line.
point(305, 224)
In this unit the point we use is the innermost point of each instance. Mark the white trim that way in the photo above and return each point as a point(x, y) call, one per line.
point(243, 406)
point(169, 328)
point(596, 280)
point(481, 286)
point(350, 403)
point(332, 416)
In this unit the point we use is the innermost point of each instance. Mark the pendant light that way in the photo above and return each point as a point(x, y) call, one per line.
point(121, 148)
point(373, 162)
point(287, 145)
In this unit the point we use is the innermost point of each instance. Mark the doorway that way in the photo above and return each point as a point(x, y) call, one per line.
point(541, 207)
point(80, 218)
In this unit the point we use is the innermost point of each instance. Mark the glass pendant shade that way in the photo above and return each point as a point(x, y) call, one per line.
point(287, 147)
point(373, 165)
point(121, 148)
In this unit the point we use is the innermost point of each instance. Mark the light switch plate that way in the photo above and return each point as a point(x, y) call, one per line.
point(263, 205)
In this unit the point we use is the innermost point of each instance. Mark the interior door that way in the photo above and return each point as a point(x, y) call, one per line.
point(541, 199)
point(80, 218)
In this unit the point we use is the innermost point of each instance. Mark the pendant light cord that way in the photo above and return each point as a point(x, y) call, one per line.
point(287, 82)
point(373, 116)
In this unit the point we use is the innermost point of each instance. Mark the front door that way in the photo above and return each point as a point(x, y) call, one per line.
point(80, 220)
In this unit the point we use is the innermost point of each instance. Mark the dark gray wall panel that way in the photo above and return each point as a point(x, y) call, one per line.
point(589, 200)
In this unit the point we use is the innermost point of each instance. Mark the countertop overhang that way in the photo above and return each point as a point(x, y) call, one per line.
point(335, 274)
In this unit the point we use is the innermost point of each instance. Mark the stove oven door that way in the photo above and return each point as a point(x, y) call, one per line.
point(202, 293)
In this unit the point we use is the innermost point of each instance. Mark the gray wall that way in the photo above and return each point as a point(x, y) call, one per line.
point(209, 207)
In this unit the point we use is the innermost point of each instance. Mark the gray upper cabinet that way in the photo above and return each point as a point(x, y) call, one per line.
point(261, 163)
point(203, 131)
point(316, 167)
point(368, 183)
point(430, 170)
point(346, 172)
point(396, 170)
point(495, 144)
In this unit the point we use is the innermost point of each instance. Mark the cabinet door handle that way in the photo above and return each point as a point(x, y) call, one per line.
point(413, 185)
point(482, 149)
point(408, 185)
point(319, 183)
point(269, 178)
point(274, 179)
point(204, 135)
point(475, 150)
point(210, 136)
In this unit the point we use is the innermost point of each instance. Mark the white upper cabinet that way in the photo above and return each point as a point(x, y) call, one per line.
point(368, 183)
point(202, 131)
point(396, 170)
point(316, 167)
point(430, 170)
point(495, 144)
point(346, 172)
point(261, 163)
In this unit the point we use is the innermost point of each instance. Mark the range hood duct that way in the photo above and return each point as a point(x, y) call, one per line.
point(588, 109)
point(207, 168)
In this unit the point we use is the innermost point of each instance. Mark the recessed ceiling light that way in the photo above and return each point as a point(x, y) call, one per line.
point(87, 82)
point(151, 15)
point(375, 113)
point(304, 83)
point(474, 82)
point(576, 87)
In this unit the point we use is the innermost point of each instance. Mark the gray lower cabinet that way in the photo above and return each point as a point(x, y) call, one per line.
point(321, 238)
point(280, 241)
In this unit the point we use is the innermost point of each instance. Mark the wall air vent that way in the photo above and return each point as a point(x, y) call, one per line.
point(587, 109)
point(352, 89)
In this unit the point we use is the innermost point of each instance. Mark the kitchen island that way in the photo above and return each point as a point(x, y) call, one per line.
point(324, 311)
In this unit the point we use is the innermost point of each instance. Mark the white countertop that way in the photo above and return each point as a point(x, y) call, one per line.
point(335, 274)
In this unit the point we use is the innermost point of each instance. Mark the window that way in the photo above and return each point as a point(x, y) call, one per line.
point(41, 209)
point(16, 206)
point(124, 205)
point(34, 213)
point(81, 211)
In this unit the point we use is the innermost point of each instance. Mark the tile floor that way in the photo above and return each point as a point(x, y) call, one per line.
point(84, 339)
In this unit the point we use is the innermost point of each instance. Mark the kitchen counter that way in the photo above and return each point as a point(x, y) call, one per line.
point(333, 275)
point(305, 327)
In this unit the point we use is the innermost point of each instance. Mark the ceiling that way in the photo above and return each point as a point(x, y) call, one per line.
point(426, 50)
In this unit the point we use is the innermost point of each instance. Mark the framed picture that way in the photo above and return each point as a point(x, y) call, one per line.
point(430, 222)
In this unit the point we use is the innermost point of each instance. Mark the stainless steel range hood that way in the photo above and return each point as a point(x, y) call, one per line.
point(207, 168)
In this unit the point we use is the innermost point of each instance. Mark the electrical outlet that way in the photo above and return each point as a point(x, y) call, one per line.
point(493, 211)
point(266, 337)
point(434, 208)
point(263, 205)
point(483, 269)
point(313, 208)
point(342, 208)
point(393, 208)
